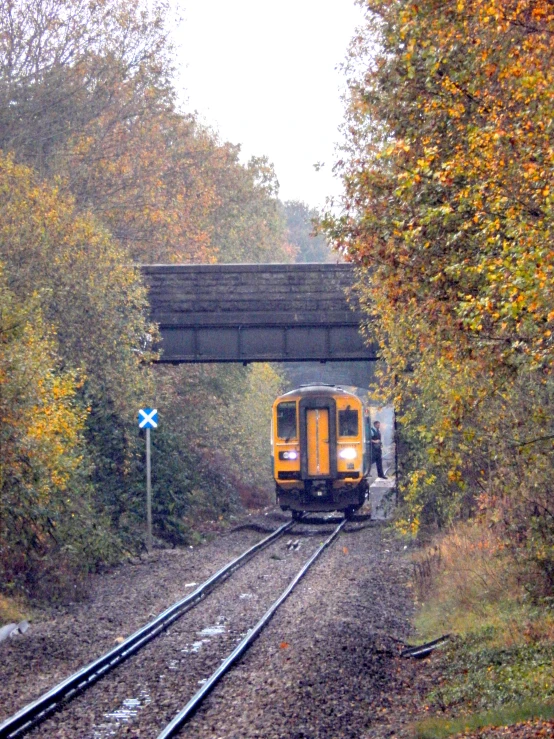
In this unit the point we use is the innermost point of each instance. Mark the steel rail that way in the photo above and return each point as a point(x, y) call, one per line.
point(424, 650)
point(39, 710)
point(173, 727)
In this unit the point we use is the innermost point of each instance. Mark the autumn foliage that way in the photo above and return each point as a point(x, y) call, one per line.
point(100, 171)
point(41, 437)
point(448, 173)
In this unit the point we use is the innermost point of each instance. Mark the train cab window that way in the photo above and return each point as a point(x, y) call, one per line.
point(348, 423)
point(286, 420)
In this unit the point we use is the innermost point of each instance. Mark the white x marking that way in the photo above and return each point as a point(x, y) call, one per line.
point(146, 418)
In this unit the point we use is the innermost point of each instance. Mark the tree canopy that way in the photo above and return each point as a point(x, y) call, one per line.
point(100, 170)
point(448, 174)
point(301, 225)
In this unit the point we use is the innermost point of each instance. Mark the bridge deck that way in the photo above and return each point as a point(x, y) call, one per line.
point(258, 312)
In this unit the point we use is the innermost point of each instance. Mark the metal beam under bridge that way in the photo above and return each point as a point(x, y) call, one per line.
point(256, 313)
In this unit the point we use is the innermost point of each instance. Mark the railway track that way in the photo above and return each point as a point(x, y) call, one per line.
point(39, 710)
point(172, 729)
point(54, 700)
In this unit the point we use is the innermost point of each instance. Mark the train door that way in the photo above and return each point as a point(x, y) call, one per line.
point(318, 438)
point(317, 428)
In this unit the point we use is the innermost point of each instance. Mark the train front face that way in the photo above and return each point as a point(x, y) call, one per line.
point(319, 450)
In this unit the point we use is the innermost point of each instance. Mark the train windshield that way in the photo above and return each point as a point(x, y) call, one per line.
point(348, 423)
point(286, 420)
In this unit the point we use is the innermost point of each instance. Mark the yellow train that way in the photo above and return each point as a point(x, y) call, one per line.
point(320, 450)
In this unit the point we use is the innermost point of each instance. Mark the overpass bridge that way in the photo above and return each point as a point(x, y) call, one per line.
point(257, 313)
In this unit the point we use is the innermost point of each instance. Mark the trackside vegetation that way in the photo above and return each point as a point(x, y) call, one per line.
point(100, 171)
point(448, 211)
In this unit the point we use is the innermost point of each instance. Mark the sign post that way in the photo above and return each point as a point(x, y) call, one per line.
point(148, 419)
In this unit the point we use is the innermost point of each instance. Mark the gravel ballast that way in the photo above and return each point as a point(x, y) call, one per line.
point(327, 665)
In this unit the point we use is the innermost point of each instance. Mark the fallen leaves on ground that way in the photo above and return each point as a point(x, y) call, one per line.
point(524, 730)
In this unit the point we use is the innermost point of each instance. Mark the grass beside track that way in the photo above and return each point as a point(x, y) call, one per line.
point(442, 728)
point(12, 611)
point(498, 669)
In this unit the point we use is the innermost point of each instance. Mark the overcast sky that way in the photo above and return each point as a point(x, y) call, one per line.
point(264, 75)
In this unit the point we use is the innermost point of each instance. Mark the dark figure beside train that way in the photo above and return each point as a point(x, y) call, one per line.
point(319, 441)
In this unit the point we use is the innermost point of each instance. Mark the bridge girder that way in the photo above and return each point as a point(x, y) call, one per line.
point(253, 313)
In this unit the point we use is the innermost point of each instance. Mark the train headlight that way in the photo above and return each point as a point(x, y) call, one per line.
point(348, 453)
point(289, 456)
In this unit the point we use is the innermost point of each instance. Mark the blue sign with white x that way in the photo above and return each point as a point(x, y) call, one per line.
point(148, 418)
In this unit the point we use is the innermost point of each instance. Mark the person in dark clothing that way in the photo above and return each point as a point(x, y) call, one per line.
point(377, 449)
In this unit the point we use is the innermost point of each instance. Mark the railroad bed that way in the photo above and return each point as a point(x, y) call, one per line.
point(322, 662)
